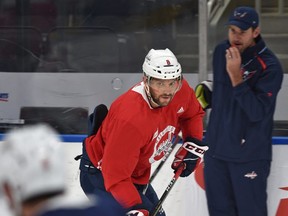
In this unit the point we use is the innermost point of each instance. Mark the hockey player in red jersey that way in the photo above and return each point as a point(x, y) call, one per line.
point(137, 131)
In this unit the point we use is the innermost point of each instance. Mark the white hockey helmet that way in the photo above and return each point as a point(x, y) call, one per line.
point(9, 198)
point(161, 64)
point(38, 155)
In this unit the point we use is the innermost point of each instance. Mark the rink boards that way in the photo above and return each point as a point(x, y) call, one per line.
point(188, 194)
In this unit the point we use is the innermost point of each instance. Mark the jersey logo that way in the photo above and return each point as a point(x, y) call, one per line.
point(155, 134)
point(181, 110)
point(162, 143)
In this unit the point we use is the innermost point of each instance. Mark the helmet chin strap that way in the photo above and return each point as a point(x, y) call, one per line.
point(150, 98)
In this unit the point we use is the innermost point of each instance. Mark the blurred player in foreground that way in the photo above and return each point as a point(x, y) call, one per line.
point(33, 177)
point(138, 130)
point(6, 209)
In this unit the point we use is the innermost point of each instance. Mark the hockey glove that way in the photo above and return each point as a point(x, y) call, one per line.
point(96, 118)
point(188, 155)
point(94, 122)
point(138, 212)
point(140, 209)
point(203, 93)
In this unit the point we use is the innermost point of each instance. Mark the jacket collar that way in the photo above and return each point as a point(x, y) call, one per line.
point(255, 50)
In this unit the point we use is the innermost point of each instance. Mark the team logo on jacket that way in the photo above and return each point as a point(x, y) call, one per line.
point(247, 74)
point(162, 143)
point(251, 175)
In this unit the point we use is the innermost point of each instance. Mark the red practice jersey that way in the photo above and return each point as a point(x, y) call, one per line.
point(134, 135)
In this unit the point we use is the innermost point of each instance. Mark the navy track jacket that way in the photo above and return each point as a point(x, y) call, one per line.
point(241, 120)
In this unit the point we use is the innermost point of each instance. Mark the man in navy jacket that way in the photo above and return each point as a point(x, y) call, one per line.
point(247, 77)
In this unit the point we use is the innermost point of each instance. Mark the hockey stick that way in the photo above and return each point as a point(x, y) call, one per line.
point(167, 190)
point(160, 165)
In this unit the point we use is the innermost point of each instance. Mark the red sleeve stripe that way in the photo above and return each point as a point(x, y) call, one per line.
point(264, 66)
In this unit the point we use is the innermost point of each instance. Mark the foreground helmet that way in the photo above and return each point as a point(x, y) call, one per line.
point(38, 157)
point(161, 64)
point(9, 200)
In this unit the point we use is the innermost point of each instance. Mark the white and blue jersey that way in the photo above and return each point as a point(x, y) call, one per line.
point(65, 205)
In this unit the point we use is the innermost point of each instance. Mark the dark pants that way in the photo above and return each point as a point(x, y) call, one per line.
point(236, 189)
point(92, 182)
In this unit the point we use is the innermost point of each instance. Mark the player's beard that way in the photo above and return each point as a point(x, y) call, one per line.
point(163, 99)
